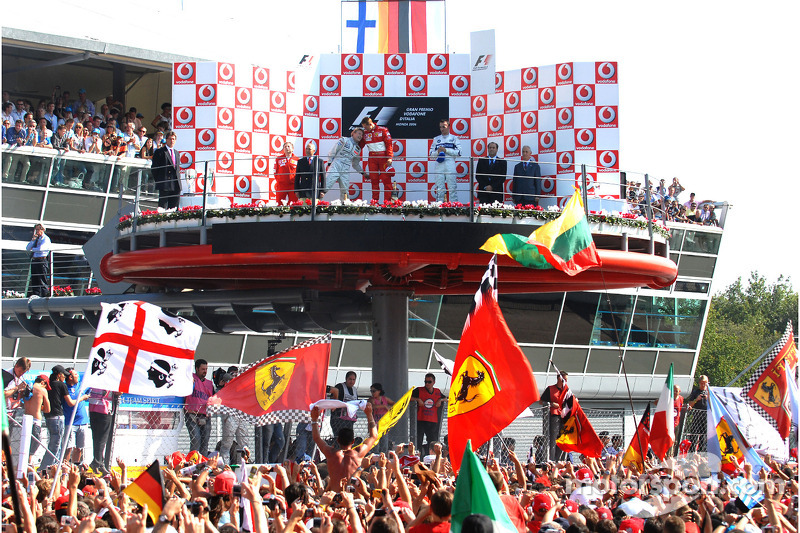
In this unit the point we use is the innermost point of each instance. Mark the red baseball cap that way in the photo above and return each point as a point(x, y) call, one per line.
point(571, 506)
point(44, 378)
point(542, 503)
point(224, 482)
point(584, 474)
point(605, 513)
point(631, 525)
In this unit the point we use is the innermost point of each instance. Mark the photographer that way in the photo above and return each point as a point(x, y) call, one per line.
point(113, 144)
point(697, 403)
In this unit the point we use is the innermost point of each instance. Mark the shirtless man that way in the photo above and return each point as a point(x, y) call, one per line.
point(32, 421)
point(343, 463)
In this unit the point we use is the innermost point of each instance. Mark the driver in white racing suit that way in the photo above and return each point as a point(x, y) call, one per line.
point(345, 154)
point(445, 149)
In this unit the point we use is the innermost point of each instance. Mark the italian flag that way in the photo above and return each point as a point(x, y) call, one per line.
point(564, 244)
point(662, 434)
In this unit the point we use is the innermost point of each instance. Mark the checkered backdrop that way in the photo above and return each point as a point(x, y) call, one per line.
point(237, 117)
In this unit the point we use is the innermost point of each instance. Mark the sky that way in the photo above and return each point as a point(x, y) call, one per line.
point(706, 88)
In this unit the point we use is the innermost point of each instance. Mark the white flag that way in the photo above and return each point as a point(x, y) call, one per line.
point(140, 349)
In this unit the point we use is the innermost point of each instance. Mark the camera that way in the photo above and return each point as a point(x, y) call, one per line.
point(194, 507)
point(379, 512)
point(308, 514)
point(70, 521)
point(236, 491)
point(273, 503)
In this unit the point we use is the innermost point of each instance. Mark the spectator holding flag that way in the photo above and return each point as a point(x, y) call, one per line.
point(196, 408)
point(554, 397)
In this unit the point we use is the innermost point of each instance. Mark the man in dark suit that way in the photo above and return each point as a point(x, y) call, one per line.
point(527, 186)
point(166, 173)
point(304, 175)
point(490, 175)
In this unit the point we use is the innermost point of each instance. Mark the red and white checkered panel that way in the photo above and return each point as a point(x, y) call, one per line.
point(234, 119)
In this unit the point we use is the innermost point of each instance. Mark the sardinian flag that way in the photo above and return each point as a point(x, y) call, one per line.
point(141, 349)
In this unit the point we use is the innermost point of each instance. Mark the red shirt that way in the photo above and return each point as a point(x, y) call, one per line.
point(515, 512)
point(556, 397)
point(427, 412)
point(285, 168)
point(379, 142)
point(434, 527)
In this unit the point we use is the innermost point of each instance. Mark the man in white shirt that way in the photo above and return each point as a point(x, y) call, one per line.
point(39, 246)
point(445, 149)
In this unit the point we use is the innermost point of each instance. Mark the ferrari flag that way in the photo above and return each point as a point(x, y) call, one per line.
point(767, 390)
point(140, 349)
point(637, 449)
point(578, 435)
point(492, 379)
point(278, 388)
point(564, 243)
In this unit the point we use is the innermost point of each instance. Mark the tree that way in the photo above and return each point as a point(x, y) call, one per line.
point(743, 322)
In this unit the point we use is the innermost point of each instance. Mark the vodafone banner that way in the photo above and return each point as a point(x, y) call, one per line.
point(238, 117)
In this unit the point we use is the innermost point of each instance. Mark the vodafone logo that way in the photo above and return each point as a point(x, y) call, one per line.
point(585, 137)
point(206, 93)
point(529, 76)
point(311, 103)
point(606, 70)
point(373, 84)
point(290, 81)
point(584, 93)
point(294, 123)
point(351, 62)
point(564, 72)
point(243, 140)
point(225, 116)
point(187, 159)
point(607, 115)
point(512, 144)
point(354, 191)
point(260, 120)
point(529, 120)
point(416, 170)
point(459, 84)
point(416, 84)
point(496, 124)
point(225, 72)
point(224, 161)
point(565, 160)
point(277, 100)
point(565, 116)
point(438, 62)
point(242, 184)
point(547, 96)
point(276, 143)
point(398, 148)
point(330, 128)
point(478, 104)
point(607, 159)
point(459, 126)
point(512, 101)
point(184, 115)
point(547, 140)
point(548, 185)
point(395, 62)
point(206, 137)
point(243, 96)
point(462, 170)
point(260, 164)
point(200, 183)
point(478, 147)
point(184, 71)
point(261, 76)
point(498, 81)
point(330, 84)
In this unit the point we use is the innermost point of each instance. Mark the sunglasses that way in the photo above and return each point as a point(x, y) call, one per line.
point(428, 381)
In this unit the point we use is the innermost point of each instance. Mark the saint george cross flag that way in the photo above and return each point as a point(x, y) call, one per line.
point(140, 349)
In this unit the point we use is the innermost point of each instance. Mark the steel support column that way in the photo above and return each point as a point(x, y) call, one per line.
point(390, 349)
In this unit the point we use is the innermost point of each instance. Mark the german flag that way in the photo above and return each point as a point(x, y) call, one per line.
point(564, 243)
point(148, 489)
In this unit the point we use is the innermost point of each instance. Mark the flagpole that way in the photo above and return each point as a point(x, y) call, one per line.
point(754, 363)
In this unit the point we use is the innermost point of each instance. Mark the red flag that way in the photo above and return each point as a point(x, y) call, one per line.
point(768, 387)
point(577, 433)
point(278, 388)
point(637, 449)
point(492, 379)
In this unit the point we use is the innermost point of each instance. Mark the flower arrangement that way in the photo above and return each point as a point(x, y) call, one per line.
point(419, 208)
point(62, 291)
point(92, 291)
point(13, 294)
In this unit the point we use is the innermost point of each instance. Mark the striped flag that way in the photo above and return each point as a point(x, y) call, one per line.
point(662, 434)
point(564, 243)
point(393, 26)
point(475, 493)
point(148, 489)
point(637, 450)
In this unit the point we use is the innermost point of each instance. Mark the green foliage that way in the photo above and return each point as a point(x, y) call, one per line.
point(743, 322)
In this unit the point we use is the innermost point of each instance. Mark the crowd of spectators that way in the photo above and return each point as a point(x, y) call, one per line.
point(667, 206)
point(81, 126)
